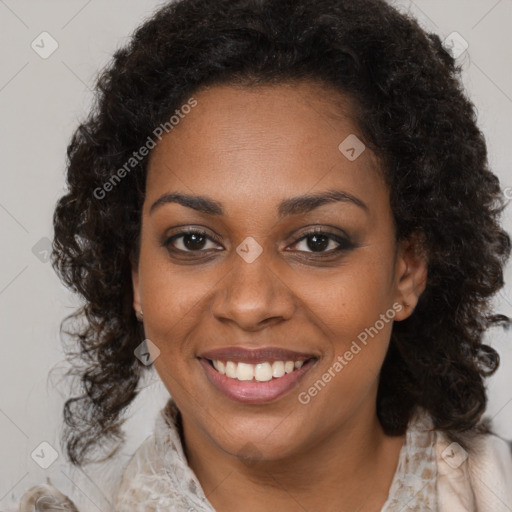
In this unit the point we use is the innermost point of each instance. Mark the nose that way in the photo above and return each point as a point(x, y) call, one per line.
point(252, 295)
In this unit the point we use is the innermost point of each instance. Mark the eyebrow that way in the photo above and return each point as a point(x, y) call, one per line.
point(292, 206)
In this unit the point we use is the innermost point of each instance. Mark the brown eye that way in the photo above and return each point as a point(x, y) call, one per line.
point(322, 242)
point(189, 241)
point(194, 241)
point(317, 242)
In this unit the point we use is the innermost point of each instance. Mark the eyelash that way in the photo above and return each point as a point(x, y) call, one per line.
point(344, 243)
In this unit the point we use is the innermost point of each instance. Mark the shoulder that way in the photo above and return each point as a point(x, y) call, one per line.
point(157, 475)
point(491, 473)
point(477, 477)
point(140, 477)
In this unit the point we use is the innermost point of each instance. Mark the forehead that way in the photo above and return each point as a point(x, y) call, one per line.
point(259, 142)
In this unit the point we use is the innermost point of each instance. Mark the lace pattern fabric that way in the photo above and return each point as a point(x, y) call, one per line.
point(157, 477)
point(414, 486)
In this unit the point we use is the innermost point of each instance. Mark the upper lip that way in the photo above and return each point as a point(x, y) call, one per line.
point(255, 355)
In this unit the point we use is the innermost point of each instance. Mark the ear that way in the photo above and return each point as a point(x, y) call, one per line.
point(137, 303)
point(410, 275)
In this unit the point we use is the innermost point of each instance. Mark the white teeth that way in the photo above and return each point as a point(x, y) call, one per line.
point(278, 369)
point(289, 366)
point(231, 369)
point(219, 366)
point(245, 371)
point(262, 372)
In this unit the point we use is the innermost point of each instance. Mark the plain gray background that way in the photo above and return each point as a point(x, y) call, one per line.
point(41, 102)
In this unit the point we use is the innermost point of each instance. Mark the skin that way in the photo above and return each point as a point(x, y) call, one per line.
point(249, 149)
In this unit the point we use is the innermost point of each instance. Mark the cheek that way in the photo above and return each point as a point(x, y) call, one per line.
point(347, 301)
point(174, 302)
point(353, 307)
point(173, 308)
point(356, 314)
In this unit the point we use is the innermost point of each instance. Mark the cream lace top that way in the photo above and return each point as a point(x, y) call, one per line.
point(432, 475)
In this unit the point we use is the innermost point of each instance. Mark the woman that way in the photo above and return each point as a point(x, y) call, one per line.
point(286, 207)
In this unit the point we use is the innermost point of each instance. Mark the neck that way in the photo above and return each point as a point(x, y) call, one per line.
point(350, 469)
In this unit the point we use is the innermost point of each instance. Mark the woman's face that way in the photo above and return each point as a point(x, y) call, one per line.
point(260, 288)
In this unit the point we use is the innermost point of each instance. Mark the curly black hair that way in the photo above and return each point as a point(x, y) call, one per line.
point(412, 111)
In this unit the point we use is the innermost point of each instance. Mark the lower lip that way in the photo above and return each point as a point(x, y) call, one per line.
point(251, 391)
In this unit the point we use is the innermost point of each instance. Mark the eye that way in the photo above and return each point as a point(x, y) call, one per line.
point(191, 240)
point(320, 241)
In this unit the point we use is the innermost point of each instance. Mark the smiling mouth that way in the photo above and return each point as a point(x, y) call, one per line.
point(260, 372)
